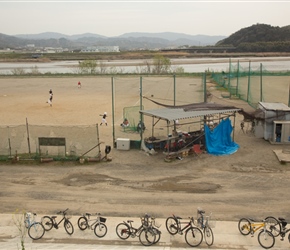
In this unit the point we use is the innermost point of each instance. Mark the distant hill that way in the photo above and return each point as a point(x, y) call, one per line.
point(128, 41)
point(258, 33)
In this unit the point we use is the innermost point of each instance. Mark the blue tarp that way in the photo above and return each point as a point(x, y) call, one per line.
point(219, 141)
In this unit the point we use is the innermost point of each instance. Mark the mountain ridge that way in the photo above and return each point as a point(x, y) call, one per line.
point(127, 41)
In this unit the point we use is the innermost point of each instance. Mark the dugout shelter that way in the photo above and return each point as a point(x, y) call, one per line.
point(207, 115)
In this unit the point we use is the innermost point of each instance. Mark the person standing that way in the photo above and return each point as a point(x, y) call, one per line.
point(104, 117)
point(50, 97)
point(79, 85)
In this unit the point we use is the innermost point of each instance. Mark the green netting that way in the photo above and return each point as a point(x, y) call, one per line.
point(168, 90)
point(133, 116)
point(254, 85)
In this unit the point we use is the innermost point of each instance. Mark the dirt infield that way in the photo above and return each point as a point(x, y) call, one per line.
point(251, 182)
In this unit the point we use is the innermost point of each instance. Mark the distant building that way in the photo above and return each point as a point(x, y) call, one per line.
point(101, 49)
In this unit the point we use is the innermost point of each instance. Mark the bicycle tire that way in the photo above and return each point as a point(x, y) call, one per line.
point(158, 235)
point(147, 237)
point(47, 223)
point(123, 231)
point(244, 226)
point(36, 231)
point(68, 226)
point(171, 225)
point(83, 223)
point(193, 236)
point(273, 225)
point(266, 239)
point(208, 236)
point(100, 229)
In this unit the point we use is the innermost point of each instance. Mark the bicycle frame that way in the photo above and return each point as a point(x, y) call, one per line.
point(179, 222)
point(132, 230)
point(56, 224)
point(95, 221)
point(257, 225)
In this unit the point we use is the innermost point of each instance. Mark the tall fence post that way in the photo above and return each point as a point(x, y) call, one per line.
point(261, 83)
point(113, 108)
point(174, 90)
point(204, 87)
point(249, 79)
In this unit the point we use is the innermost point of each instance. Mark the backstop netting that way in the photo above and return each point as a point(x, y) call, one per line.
point(168, 90)
point(254, 85)
point(24, 139)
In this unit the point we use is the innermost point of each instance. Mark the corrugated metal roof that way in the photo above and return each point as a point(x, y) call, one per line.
point(178, 114)
point(277, 106)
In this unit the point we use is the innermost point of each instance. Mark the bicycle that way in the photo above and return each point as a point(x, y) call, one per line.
point(98, 224)
point(193, 235)
point(49, 222)
point(35, 229)
point(278, 227)
point(249, 226)
point(204, 223)
point(145, 232)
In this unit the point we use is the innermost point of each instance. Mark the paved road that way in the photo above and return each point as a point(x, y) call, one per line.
point(226, 235)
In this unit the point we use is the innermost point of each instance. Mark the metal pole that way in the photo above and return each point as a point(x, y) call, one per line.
point(98, 139)
point(28, 141)
point(289, 97)
point(261, 83)
point(204, 87)
point(249, 77)
point(229, 78)
point(174, 90)
point(113, 108)
point(238, 73)
point(141, 115)
point(9, 142)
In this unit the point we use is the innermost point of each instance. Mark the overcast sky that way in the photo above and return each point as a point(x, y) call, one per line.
point(114, 18)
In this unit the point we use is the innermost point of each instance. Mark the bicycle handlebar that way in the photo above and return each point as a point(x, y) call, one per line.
point(62, 212)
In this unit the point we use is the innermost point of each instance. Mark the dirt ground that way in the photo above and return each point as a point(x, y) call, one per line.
point(251, 182)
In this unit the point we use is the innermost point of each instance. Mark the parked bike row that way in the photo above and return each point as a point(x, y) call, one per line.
point(269, 229)
point(148, 232)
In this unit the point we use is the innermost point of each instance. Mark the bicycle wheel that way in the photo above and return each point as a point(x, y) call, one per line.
point(100, 229)
point(273, 225)
point(82, 223)
point(157, 232)
point(171, 225)
point(193, 236)
point(244, 226)
point(208, 236)
point(36, 231)
point(68, 226)
point(266, 239)
point(47, 223)
point(147, 237)
point(123, 231)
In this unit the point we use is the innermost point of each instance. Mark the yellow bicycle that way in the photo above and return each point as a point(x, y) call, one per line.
point(249, 226)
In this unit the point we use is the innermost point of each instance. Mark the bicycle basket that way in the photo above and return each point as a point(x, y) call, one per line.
point(210, 221)
point(156, 224)
point(102, 219)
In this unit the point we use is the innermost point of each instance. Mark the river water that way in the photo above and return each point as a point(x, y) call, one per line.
point(190, 65)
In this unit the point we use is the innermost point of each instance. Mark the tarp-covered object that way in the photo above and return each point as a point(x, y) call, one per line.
point(219, 141)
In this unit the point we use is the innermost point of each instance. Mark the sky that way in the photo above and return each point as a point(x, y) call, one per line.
point(114, 18)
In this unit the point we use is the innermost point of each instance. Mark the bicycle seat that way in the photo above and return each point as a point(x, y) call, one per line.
point(53, 217)
point(129, 221)
point(88, 214)
point(201, 211)
point(177, 217)
point(281, 219)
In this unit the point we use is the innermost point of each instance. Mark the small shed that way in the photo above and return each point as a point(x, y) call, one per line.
point(202, 111)
point(273, 122)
